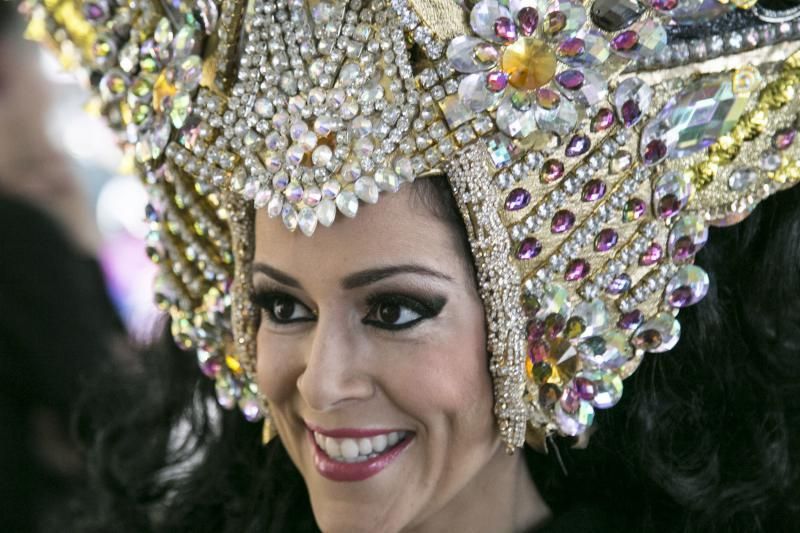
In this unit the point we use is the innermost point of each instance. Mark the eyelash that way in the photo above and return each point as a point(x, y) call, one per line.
point(266, 299)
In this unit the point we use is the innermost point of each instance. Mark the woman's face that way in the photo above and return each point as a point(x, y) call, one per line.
point(371, 352)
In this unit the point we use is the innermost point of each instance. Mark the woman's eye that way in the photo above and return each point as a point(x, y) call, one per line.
point(283, 309)
point(398, 312)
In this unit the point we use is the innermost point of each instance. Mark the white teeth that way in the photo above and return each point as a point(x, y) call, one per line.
point(357, 450)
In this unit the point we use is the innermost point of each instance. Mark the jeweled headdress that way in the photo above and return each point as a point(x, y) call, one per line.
point(589, 146)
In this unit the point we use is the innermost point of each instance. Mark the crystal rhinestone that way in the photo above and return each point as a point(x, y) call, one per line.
point(652, 40)
point(625, 41)
point(560, 120)
point(367, 190)
point(554, 23)
point(275, 206)
point(742, 178)
point(783, 138)
point(529, 63)
point(620, 162)
point(575, 423)
point(307, 221)
point(562, 221)
point(654, 152)
point(475, 94)
point(554, 300)
point(496, 81)
point(608, 389)
point(483, 16)
point(293, 192)
point(632, 100)
point(593, 316)
point(571, 79)
point(605, 240)
point(631, 319)
point(611, 350)
point(692, 12)
point(593, 190)
point(321, 155)
point(500, 150)
point(771, 160)
point(652, 255)
point(577, 146)
point(619, 284)
point(455, 112)
point(295, 155)
point(633, 210)
point(687, 287)
point(671, 193)
point(387, 180)
point(585, 388)
point(529, 248)
point(326, 212)
point(517, 199)
point(592, 92)
point(688, 235)
point(574, 13)
point(347, 202)
point(528, 19)
point(659, 334)
point(615, 15)
point(603, 120)
point(695, 118)
point(470, 54)
point(577, 269)
point(552, 171)
point(289, 217)
point(594, 50)
point(505, 29)
point(312, 196)
point(515, 122)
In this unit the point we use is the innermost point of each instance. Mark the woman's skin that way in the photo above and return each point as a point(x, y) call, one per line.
point(328, 358)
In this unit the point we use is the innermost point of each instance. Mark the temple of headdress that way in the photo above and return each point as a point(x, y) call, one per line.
point(592, 144)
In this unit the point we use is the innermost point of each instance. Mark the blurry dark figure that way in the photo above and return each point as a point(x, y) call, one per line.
point(57, 323)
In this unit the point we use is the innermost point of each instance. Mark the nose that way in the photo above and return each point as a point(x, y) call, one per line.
point(336, 367)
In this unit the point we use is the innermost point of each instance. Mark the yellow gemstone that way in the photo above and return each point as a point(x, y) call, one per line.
point(163, 89)
point(233, 364)
point(529, 64)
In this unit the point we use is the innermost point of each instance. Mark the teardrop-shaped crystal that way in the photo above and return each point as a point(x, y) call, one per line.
point(367, 190)
point(185, 43)
point(474, 93)
point(326, 212)
point(687, 287)
point(188, 73)
point(659, 334)
point(163, 32)
point(275, 205)
point(594, 316)
point(307, 221)
point(469, 54)
point(387, 180)
point(347, 202)
point(483, 16)
point(289, 217)
point(512, 121)
point(695, 118)
point(671, 193)
point(688, 235)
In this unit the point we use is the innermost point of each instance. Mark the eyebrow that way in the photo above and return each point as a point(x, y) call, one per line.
point(357, 279)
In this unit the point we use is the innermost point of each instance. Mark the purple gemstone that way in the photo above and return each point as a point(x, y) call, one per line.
point(538, 351)
point(585, 388)
point(683, 249)
point(572, 47)
point(669, 205)
point(652, 255)
point(563, 220)
point(619, 284)
point(505, 28)
point(681, 297)
point(784, 138)
point(578, 145)
point(535, 330)
point(605, 240)
point(577, 269)
point(496, 81)
point(603, 120)
point(593, 190)
point(211, 367)
point(94, 11)
point(570, 79)
point(631, 320)
point(528, 19)
point(529, 248)
point(625, 41)
point(570, 400)
point(655, 151)
point(664, 5)
point(633, 210)
point(631, 113)
point(517, 199)
point(552, 170)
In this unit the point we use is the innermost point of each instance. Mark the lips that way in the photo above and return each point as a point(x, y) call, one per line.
point(355, 455)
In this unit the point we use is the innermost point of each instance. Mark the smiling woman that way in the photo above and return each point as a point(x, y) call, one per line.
point(426, 270)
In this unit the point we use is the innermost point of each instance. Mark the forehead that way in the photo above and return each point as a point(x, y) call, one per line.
point(398, 229)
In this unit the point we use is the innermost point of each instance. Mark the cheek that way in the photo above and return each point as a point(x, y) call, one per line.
point(277, 366)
